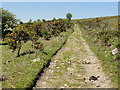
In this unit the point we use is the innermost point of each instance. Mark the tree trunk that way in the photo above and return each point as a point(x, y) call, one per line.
point(18, 52)
point(19, 49)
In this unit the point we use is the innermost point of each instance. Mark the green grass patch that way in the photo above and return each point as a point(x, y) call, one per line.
point(20, 71)
point(2, 42)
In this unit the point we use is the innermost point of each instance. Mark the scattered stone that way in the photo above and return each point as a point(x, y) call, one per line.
point(62, 87)
point(13, 86)
point(114, 51)
point(50, 49)
point(55, 60)
point(78, 75)
point(70, 69)
point(65, 85)
point(69, 63)
point(57, 67)
point(47, 77)
point(43, 83)
point(36, 60)
point(93, 78)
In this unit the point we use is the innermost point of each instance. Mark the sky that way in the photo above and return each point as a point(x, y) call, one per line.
point(48, 10)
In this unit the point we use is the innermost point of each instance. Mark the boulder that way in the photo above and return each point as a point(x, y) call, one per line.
point(114, 51)
point(36, 60)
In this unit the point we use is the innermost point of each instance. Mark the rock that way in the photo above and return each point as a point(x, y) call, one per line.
point(65, 85)
point(50, 49)
point(36, 60)
point(93, 78)
point(114, 51)
point(13, 86)
point(55, 60)
point(57, 67)
point(69, 63)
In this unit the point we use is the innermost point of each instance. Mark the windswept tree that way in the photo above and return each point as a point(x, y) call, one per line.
point(9, 20)
point(21, 35)
point(30, 21)
point(43, 20)
point(54, 19)
point(38, 20)
point(16, 38)
point(69, 16)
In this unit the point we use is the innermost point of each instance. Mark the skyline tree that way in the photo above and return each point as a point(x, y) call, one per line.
point(69, 16)
point(9, 21)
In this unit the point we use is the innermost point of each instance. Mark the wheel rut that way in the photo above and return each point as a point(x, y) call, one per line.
point(74, 66)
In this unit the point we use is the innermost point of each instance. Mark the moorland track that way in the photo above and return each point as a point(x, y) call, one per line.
point(73, 66)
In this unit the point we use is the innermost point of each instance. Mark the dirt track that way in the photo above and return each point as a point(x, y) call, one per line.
point(73, 66)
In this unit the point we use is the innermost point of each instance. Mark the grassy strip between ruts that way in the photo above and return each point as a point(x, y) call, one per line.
point(109, 66)
point(20, 71)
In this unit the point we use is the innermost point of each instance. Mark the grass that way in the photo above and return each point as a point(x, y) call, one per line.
point(0, 64)
point(2, 42)
point(103, 52)
point(20, 71)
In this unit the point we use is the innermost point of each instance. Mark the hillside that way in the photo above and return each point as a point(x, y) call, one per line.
point(102, 35)
point(73, 67)
point(69, 54)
